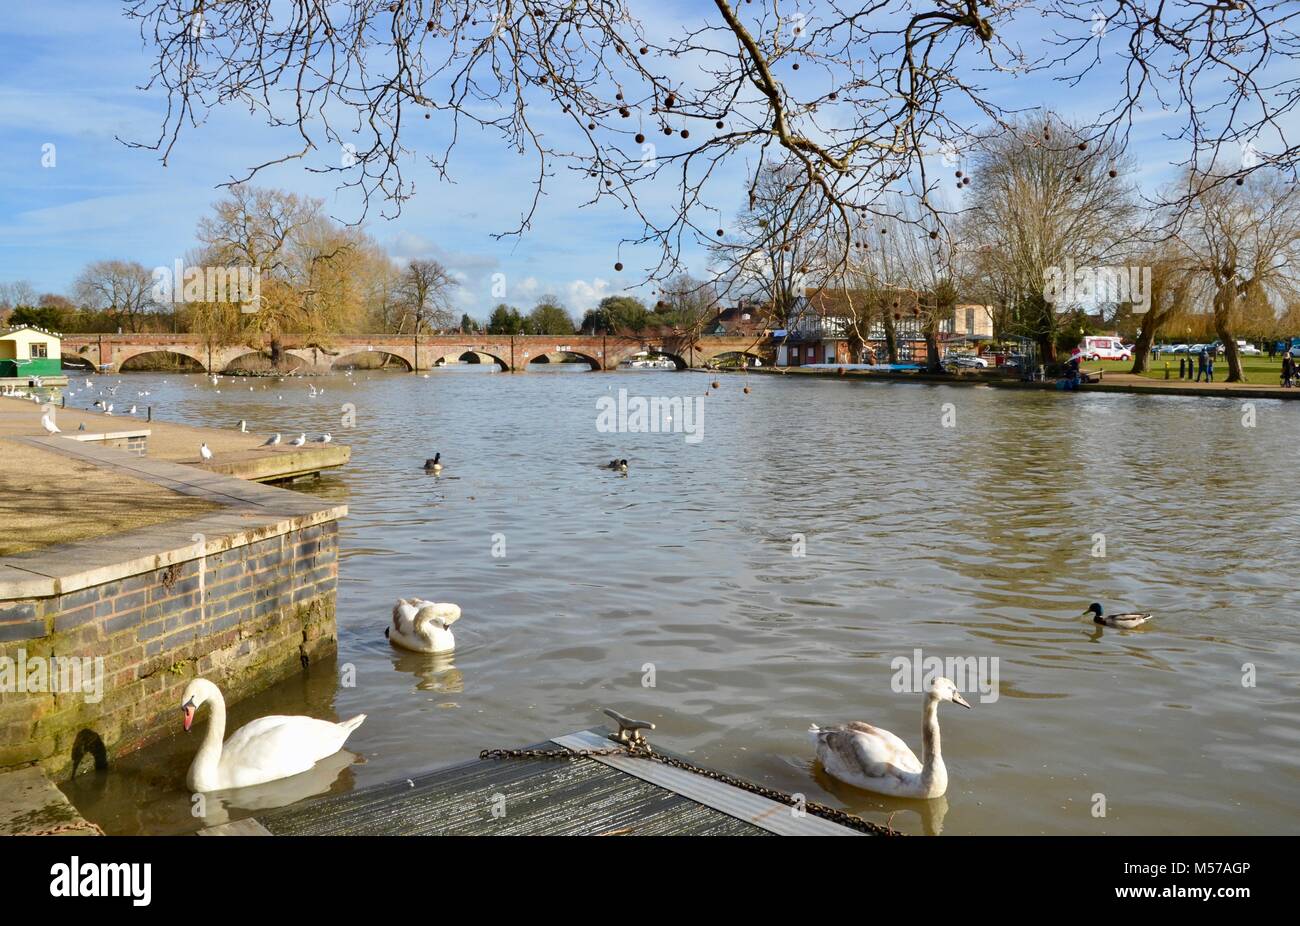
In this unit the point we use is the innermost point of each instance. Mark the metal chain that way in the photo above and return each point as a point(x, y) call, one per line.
point(842, 817)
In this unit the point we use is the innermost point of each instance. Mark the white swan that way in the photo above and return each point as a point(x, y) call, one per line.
point(261, 750)
point(423, 626)
point(873, 759)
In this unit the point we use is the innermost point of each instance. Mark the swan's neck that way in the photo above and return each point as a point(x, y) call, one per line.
point(208, 757)
point(931, 756)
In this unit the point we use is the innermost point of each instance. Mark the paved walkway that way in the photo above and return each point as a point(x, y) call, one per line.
point(235, 453)
point(30, 805)
point(38, 509)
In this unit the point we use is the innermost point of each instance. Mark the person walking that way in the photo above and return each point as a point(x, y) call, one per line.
point(1288, 370)
point(1209, 366)
point(1272, 349)
point(1201, 360)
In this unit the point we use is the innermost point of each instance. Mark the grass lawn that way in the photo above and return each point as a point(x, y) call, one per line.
point(1259, 370)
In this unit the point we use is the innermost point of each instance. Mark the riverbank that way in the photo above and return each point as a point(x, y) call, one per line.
point(235, 453)
point(124, 574)
point(1110, 382)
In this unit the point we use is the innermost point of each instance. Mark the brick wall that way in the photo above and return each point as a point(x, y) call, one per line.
point(244, 618)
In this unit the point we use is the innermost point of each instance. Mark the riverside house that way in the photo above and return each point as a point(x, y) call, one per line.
point(824, 327)
point(27, 351)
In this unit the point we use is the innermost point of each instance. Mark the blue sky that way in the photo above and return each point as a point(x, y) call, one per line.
point(71, 79)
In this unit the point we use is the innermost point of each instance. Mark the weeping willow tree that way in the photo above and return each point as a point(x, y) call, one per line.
point(315, 278)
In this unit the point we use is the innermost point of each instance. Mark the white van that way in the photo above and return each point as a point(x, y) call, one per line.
point(1105, 348)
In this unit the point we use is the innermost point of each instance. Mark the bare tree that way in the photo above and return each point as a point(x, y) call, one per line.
point(123, 289)
point(17, 293)
point(1044, 202)
point(426, 287)
point(880, 88)
point(1170, 296)
point(1243, 244)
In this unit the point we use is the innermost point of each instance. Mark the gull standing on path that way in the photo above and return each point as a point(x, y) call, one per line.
point(298, 441)
point(272, 441)
point(48, 424)
point(205, 452)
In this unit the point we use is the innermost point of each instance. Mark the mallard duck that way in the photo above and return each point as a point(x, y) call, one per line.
point(435, 465)
point(1125, 621)
point(423, 626)
point(873, 759)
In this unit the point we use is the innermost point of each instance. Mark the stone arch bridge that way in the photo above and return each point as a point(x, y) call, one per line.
point(108, 352)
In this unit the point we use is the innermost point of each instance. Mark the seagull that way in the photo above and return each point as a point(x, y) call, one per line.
point(82, 426)
point(108, 410)
point(132, 411)
point(205, 452)
point(272, 441)
point(298, 441)
point(323, 439)
point(48, 424)
point(243, 426)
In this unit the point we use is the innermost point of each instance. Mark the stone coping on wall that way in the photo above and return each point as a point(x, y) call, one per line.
point(87, 437)
point(249, 512)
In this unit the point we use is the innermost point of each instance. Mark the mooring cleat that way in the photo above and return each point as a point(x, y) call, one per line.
point(629, 730)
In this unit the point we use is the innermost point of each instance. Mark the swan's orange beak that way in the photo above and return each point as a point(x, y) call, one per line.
point(188, 708)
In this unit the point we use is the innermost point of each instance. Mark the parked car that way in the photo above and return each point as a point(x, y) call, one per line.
point(1179, 349)
point(965, 360)
point(1248, 350)
point(1106, 348)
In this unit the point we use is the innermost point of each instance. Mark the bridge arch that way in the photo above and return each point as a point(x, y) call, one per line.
point(735, 358)
point(370, 360)
point(160, 358)
point(562, 357)
point(472, 356)
point(652, 353)
point(78, 362)
point(259, 361)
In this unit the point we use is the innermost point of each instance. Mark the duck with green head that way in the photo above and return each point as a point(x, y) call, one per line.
point(1125, 621)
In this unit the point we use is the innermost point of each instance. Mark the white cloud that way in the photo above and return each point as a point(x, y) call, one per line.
point(582, 295)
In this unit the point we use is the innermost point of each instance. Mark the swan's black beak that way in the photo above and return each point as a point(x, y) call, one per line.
point(958, 699)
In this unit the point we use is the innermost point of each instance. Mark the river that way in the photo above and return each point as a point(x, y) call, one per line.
point(963, 522)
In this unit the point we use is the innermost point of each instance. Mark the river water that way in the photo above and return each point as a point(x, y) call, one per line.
point(932, 521)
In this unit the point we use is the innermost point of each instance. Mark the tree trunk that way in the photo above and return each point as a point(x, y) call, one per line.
point(276, 351)
point(932, 364)
point(1224, 305)
point(1235, 372)
point(891, 338)
point(1142, 347)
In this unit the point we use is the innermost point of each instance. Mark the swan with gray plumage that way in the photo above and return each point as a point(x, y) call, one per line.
point(876, 760)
